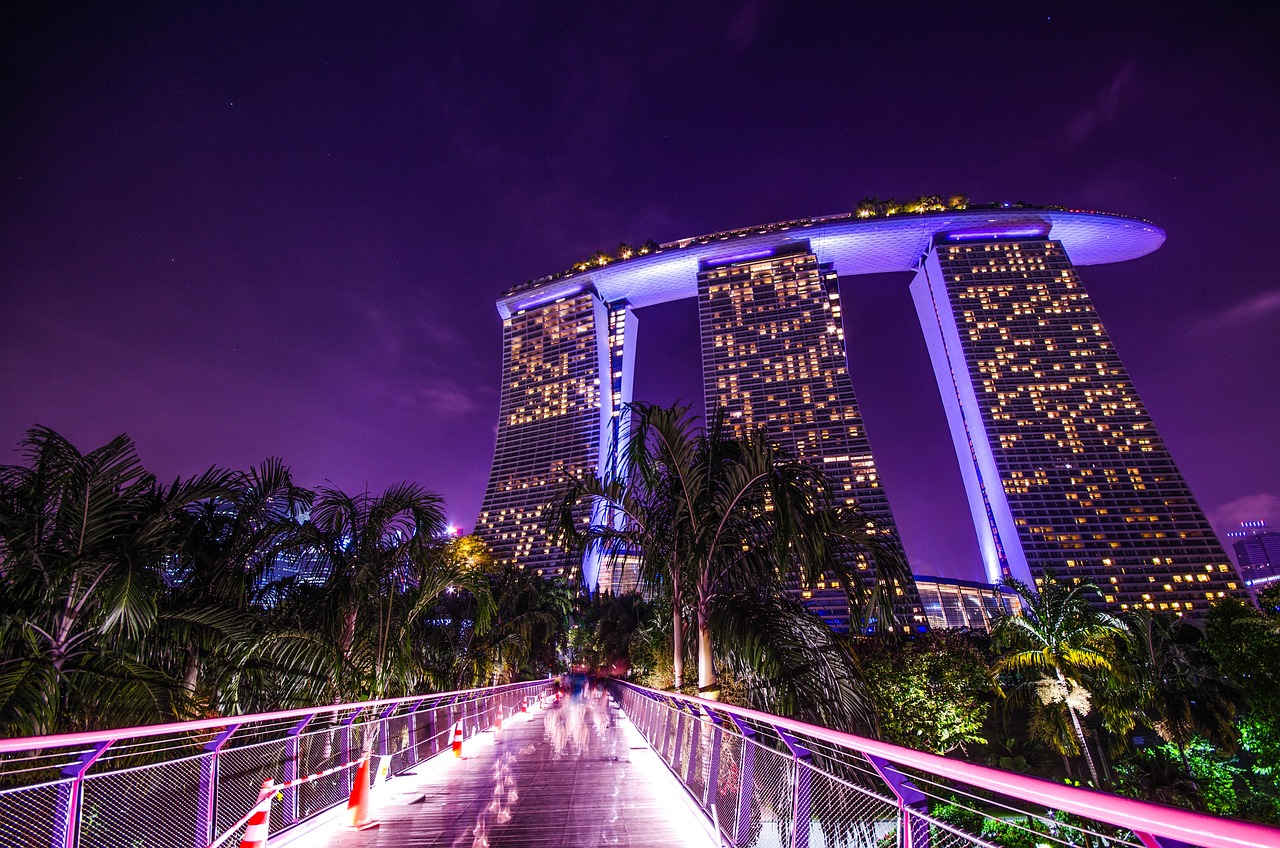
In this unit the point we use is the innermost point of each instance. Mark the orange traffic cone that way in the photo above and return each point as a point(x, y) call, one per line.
point(457, 740)
point(358, 804)
point(255, 832)
point(524, 704)
point(497, 725)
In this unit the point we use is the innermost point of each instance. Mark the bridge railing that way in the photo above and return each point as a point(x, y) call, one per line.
point(181, 785)
point(771, 781)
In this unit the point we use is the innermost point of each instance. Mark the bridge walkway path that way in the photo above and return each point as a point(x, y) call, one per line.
point(576, 774)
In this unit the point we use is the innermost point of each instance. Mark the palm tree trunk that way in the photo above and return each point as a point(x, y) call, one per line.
point(1084, 746)
point(706, 658)
point(1102, 756)
point(677, 638)
point(1186, 766)
point(192, 675)
point(347, 639)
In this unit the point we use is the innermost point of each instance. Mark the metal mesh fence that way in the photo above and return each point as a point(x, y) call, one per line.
point(772, 800)
point(181, 784)
point(27, 814)
point(847, 815)
point(318, 751)
point(396, 730)
point(944, 836)
point(241, 772)
point(758, 791)
point(728, 789)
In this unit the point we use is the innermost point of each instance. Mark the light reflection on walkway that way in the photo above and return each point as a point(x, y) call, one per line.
point(575, 773)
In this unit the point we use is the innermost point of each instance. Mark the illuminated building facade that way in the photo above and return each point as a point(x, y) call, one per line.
point(773, 355)
point(1060, 459)
point(559, 389)
point(964, 603)
point(1257, 553)
point(1062, 465)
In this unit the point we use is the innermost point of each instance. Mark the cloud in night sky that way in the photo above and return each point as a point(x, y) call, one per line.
point(1104, 111)
point(1263, 506)
point(1257, 308)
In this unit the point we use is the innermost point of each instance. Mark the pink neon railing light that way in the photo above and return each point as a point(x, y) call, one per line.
point(196, 777)
point(1144, 819)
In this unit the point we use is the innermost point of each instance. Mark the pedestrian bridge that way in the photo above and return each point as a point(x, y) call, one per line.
point(615, 765)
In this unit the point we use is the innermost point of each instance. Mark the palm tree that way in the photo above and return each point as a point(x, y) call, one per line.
point(83, 542)
point(226, 553)
point(530, 617)
point(714, 514)
point(377, 559)
point(1062, 642)
point(640, 507)
point(1181, 691)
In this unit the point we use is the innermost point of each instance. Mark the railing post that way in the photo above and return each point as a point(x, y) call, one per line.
point(713, 762)
point(344, 736)
point(746, 781)
point(915, 832)
point(292, 752)
point(1150, 840)
point(66, 809)
point(801, 757)
point(450, 719)
point(207, 800)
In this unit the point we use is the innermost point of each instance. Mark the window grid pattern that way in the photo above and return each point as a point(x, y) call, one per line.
point(773, 354)
point(1092, 488)
point(548, 428)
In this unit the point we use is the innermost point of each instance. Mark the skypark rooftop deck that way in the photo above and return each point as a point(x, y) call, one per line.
point(855, 245)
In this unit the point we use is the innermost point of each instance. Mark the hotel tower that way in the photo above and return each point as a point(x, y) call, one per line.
point(773, 355)
point(1062, 465)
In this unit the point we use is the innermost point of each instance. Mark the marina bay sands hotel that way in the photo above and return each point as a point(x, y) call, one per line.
point(1062, 465)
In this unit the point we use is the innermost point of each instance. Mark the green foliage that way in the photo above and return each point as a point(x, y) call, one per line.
point(718, 513)
point(785, 660)
point(83, 542)
point(930, 692)
point(124, 601)
point(1058, 655)
point(1245, 643)
point(529, 625)
point(606, 626)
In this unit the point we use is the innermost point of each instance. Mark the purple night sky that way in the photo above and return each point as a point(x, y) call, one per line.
point(235, 232)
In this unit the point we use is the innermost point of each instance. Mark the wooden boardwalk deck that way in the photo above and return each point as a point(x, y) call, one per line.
point(577, 774)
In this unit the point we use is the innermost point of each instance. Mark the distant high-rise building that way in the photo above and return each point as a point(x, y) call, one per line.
point(1061, 461)
point(773, 355)
point(1257, 552)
